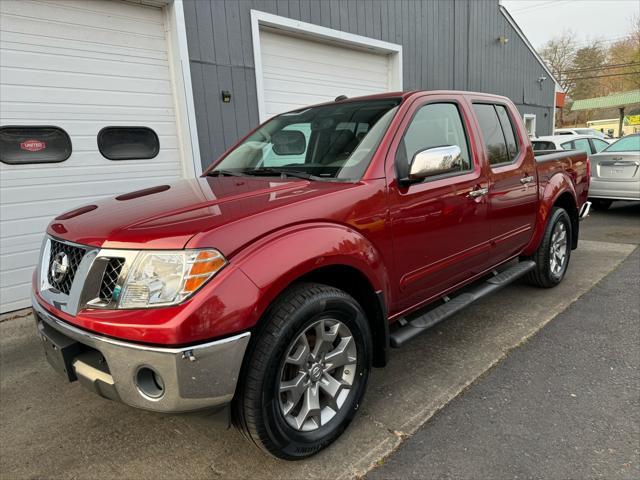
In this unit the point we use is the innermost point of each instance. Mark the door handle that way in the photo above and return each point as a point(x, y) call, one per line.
point(478, 192)
point(525, 180)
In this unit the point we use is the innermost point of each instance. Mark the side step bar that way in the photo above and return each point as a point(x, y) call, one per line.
point(427, 320)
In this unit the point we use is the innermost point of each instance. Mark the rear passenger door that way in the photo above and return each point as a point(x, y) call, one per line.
point(513, 197)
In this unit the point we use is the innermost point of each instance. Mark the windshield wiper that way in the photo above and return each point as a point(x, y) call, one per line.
point(223, 173)
point(278, 171)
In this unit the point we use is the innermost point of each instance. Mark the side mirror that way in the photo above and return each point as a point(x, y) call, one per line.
point(435, 161)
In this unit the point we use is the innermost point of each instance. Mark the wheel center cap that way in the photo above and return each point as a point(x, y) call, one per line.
point(315, 372)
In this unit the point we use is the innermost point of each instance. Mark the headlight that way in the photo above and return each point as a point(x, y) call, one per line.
point(167, 278)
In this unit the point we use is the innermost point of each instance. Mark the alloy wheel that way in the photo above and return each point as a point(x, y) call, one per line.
point(558, 248)
point(317, 374)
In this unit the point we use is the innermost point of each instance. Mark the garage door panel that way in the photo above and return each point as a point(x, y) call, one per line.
point(13, 195)
point(81, 67)
point(298, 72)
point(87, 81)
point(78, 175)
point(13, 296)
point(90, 126)
point(21, 93)
point(44, 62)
point(71, 12)
point(117, 9)
point(280, 88)
point(277, 64)
point(94, 166)
point(22, 260)
point(331, 54)
point(52, 208)
point(96, 36)
point(11, 245)
point(65, 48)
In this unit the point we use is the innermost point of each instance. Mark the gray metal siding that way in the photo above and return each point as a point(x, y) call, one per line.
point(447, 44)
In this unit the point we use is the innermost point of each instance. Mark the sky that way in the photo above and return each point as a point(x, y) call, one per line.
point(541, 20)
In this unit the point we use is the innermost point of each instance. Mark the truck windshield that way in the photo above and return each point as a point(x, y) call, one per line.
point(327, 142)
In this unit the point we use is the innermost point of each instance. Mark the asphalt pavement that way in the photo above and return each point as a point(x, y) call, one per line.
point(565, 405)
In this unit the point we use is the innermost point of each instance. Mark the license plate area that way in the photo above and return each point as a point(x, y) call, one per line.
point(617, 170)
point(59, 350)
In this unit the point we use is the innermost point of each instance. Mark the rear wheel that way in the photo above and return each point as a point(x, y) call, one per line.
point(553, 254)
point(307, 372)
point(601, 203)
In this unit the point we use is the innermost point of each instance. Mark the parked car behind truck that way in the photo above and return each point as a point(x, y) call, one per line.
point(276, 280)
point(615, 173)
point(588, 144)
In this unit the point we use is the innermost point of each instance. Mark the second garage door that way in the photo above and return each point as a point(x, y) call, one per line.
point(299, 71)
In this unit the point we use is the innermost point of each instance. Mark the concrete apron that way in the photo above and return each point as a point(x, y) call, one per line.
point(52, 429)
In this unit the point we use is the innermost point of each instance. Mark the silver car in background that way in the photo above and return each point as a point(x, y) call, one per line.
point(615, 172)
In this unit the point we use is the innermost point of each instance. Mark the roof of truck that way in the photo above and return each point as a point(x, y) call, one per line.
point(405, 95)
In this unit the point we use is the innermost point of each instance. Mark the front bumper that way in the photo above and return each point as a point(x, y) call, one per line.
point(186, 379)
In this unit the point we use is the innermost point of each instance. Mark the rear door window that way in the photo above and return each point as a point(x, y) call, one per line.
point(567, 145)
point(509, 132)
point(20, 145)
point(495, 143)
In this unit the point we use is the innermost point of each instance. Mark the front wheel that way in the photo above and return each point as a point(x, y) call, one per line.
point(307, 372)
point(553, 254)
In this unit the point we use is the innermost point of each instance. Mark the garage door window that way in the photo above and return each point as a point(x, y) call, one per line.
point(20, 145)
point(128, 143)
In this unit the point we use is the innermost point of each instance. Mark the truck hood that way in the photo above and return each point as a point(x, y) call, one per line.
point(169, 216)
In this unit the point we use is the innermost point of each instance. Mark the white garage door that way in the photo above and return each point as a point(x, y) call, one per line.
point(81, 66)
point(298, 72)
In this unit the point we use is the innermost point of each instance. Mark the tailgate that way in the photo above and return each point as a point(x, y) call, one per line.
point(616, 167)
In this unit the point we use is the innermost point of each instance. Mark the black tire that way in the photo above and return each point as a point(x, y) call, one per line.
point(257, 408)
point(543, 275)
point(601, 203)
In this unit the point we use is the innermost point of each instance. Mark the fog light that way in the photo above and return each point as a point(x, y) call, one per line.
point(149, 383)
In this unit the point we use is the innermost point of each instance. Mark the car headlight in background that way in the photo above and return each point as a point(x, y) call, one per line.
point(167, 278)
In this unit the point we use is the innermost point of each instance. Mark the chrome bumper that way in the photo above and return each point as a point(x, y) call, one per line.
point(186, 379)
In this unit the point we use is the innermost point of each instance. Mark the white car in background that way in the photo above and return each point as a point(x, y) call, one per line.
point(615, 172)
point(589, 144)
point(582, 131)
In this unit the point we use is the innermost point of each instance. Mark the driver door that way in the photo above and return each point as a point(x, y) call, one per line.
point(439, 227)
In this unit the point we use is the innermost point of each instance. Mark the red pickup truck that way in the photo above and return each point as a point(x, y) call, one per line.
point(275, 281)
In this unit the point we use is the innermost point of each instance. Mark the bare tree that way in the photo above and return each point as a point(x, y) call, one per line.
point(558, 53)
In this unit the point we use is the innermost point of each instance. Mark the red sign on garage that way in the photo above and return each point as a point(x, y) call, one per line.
point(33, 145)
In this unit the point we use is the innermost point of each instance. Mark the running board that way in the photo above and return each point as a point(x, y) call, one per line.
point(427, 320)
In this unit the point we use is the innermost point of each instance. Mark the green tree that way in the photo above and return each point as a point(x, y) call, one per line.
point(587, 63)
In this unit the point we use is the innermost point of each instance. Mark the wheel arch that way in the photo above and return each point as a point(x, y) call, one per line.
point(558, 192)
point(333, 255)
point(356, 284)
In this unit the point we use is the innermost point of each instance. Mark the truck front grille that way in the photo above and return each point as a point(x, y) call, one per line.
point(67, 258)
point(110, 278)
